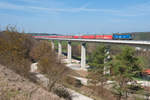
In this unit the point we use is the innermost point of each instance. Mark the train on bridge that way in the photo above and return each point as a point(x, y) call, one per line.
point(115, 36)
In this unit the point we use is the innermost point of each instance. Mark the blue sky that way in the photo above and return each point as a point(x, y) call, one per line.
point(76, 16)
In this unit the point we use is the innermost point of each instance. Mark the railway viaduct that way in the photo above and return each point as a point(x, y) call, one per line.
point(83, 46)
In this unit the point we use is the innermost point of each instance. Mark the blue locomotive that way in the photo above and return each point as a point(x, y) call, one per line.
point(122, 36)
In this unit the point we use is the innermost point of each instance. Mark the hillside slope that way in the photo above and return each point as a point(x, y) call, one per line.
point(15, 87)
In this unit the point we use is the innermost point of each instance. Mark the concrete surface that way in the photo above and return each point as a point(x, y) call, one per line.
point(78, 96)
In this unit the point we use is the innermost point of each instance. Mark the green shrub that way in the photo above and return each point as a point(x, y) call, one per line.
point(62, 92)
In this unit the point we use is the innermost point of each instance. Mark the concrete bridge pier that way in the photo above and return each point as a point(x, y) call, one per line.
point(106, 68)
point(69, 55)
point(59, 49)
point(83, 55)
point(52, 44)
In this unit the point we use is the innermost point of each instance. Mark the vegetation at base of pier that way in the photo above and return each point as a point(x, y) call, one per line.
point(125, 66)
point(98, 67)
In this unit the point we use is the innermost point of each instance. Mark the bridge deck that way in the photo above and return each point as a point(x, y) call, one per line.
point(131, 42)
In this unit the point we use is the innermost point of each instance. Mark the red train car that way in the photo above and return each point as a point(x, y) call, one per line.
point(106, 37)
point(76, 37)
point(88, 37)
point(99, 37)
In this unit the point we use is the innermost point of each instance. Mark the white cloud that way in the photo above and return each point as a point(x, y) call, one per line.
point(136, 10)
point(31, 1)
point(4, 5)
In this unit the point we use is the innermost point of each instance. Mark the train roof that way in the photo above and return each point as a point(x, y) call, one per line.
point(45, 34)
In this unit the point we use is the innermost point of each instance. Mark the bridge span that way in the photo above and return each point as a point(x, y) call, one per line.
point(83, 46)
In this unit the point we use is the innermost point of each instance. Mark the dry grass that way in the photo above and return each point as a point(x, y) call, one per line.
point(15, 87)
point(14, 50)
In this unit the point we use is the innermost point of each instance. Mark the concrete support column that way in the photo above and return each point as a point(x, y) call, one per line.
point(83, 55)
point(107, 68)
point(59, 49)
point(52, 44)
point(69, 55)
